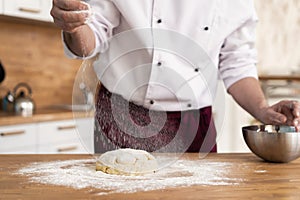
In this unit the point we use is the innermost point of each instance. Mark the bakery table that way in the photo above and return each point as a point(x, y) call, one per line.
point(257, 180)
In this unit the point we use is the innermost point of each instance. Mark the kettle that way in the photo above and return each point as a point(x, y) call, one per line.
point(23, 104)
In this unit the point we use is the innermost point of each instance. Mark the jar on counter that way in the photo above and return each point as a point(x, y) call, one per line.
point(8, 102)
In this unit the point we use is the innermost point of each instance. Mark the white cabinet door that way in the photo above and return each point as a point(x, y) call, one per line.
point(60, 137)
point(65, 136)
point(1, 7)
point(18, 139)
point(229, 119)
point(85, 132)
point(32, 9)
point(65, 147)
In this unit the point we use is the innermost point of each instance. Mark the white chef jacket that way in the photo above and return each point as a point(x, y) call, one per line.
point(160, 78)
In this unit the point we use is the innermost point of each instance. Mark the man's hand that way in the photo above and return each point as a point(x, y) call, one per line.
point(252, 100)
point(69, 15)
point(283, 113)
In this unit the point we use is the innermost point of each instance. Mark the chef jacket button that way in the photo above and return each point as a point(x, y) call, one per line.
point(206, 28)
point(189, 105)
point(159, 21)
point(151, 102)
point(159, 64)
point(223, 45)
point(197, 69)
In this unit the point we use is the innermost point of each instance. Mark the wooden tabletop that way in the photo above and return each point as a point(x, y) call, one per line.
point(262, 181)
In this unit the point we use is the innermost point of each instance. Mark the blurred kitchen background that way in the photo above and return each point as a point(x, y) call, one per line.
point(31, 52)
point(278, 46)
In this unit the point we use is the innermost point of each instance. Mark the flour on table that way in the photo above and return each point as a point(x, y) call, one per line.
point(80, 174)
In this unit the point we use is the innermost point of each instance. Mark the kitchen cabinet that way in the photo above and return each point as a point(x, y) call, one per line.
point(65, 136)
point(1, 6)
point(62, 136)
point(229, 119)
point(230, 137)
point(18, 138)
point(31, 9)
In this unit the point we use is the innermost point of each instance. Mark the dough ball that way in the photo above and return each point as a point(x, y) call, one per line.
point(127, 162)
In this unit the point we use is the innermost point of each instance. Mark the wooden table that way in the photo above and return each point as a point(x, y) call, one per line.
point(280, 181)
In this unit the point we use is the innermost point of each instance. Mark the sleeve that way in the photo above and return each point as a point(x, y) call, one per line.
point(104, 18)
point(238, 56)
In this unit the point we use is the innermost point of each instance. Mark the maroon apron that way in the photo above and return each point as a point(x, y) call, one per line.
point(123, 124)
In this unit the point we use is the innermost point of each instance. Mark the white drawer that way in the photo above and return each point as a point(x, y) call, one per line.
point(32, 9)
point(20, 150)
point(18, 137)
point(85, 130)
point(63, 148)
point(1, 7)
point(57, 131)
point(63, 137)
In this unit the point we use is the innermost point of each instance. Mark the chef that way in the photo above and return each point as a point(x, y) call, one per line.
point(159, 65)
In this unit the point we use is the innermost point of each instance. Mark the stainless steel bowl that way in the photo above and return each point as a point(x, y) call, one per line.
point(273, 143)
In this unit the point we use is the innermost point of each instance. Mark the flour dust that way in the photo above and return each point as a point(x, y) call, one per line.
point(80, 174)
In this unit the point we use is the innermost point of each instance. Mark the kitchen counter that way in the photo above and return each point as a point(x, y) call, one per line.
point(41, 115)
point(261, 180)
point(280, 87)
point(279, 77)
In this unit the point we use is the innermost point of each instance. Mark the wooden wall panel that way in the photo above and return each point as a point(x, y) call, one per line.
point(33, 53)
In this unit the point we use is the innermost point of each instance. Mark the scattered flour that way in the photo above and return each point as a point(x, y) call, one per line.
point(260, 171)
point(81, 174)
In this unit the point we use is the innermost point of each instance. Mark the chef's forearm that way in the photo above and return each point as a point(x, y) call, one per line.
point(248, 94)
point(81, 42)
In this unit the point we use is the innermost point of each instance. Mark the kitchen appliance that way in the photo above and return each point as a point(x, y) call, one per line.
point(273, 143)
point(23, 103)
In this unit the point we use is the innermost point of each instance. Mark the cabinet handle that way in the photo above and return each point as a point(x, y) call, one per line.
point(60, 128)
point(30, 10)
point(3, 134)
point(64, 149)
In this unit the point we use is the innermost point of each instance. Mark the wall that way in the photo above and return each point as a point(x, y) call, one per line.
point(33, 53)
point(278, 36)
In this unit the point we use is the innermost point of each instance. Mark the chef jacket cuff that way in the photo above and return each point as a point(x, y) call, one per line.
point(249, 71)
point(70, 54)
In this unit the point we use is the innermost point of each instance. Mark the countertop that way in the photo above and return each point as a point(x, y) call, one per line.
point(41, 115)
point(269, 77)
point(261, 180)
